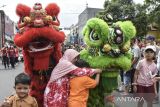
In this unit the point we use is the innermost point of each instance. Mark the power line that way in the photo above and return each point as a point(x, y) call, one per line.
point(73, 13)
point(70, 13)
point(3, 6)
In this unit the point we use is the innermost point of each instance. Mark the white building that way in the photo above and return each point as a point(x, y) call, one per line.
point(76, 36)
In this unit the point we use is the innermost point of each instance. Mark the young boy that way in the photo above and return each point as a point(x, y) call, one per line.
point(21, 98)
point(79, 87)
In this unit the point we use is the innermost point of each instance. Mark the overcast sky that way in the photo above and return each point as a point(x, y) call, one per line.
point(70, 9)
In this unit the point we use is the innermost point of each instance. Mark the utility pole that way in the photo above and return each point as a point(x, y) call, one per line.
point(86, 4)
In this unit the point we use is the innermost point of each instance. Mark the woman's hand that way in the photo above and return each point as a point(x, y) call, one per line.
point(98, 71)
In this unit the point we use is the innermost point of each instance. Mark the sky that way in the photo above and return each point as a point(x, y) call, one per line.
point(70, 9)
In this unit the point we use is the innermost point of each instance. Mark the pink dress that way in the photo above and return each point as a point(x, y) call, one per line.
point(57, 92)
point(146, 71)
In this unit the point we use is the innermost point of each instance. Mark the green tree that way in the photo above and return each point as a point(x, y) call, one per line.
point(126, 10)
point(141, 20)
point(153, 11)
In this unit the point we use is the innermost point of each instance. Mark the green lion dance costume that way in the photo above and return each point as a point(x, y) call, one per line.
point(107, 48)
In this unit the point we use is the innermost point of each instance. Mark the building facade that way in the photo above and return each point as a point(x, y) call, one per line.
point(2, 28)
point(6, 29)
point(75, 36)
point(83, 18)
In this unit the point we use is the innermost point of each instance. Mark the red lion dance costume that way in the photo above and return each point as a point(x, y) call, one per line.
point(41, 40)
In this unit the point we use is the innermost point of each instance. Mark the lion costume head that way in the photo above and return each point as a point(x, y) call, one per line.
point(40, 38)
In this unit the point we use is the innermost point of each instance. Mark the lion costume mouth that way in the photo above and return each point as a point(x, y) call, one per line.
point(39, 39)
point(40, 44)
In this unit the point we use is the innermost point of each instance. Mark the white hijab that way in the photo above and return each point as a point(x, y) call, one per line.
point(65, 65)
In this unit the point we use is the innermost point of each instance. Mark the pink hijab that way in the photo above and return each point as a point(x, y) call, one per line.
point(65, 65)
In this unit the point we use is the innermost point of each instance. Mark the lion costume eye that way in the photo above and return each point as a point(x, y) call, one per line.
point(118, 32)
point(22, 20)
point(118, 39)
point(93, 36)
point(54, 19)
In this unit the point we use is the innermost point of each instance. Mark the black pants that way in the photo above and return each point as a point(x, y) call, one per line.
point(12, 61)
point(157, 83)
point(16, 60)
point(6, 61)
point(132, 78)
point(121, 74)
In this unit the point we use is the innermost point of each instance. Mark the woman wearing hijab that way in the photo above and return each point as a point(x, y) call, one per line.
point(57, 90)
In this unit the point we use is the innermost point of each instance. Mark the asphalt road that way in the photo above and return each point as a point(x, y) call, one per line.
point(7, 79)
point(7, 83)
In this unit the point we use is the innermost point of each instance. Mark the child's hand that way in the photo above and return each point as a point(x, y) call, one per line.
point(155, 79)
point(6, 103)
point(135, 88)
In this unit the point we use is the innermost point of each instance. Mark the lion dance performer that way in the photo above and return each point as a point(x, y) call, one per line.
point(40, 38)
point(108, 49)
